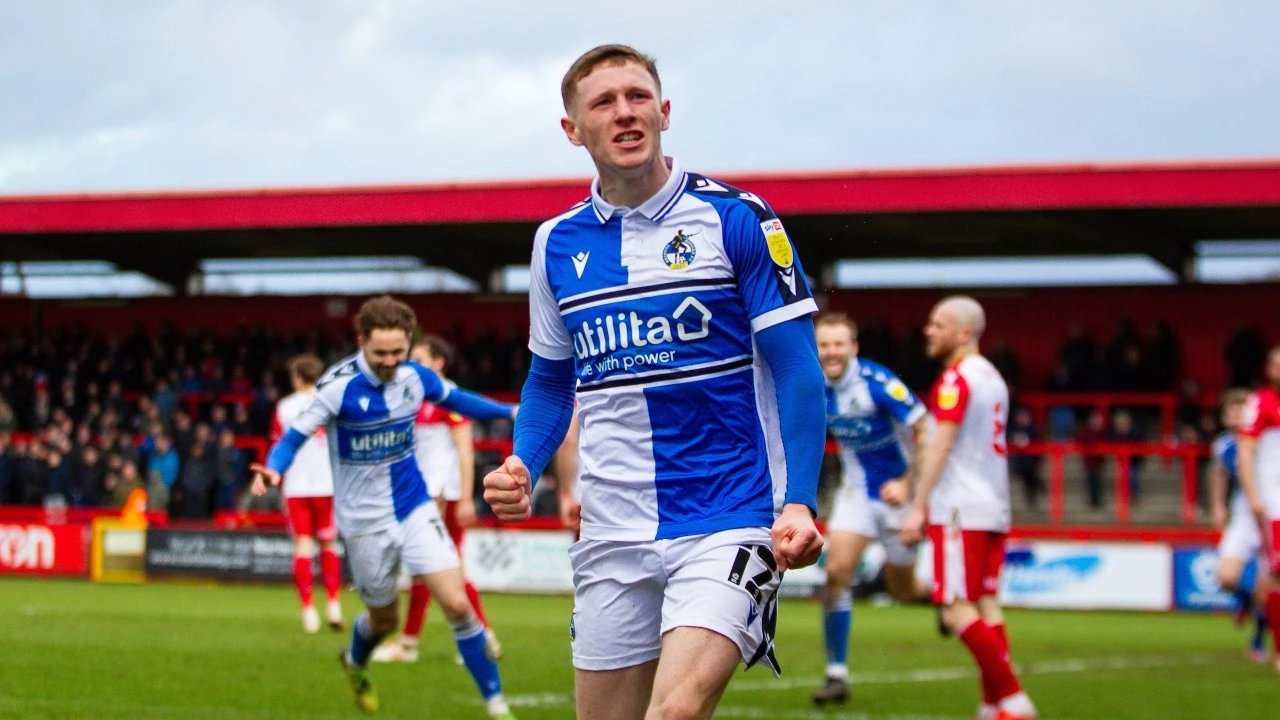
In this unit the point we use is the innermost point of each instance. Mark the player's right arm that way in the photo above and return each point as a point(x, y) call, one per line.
point(950, 401)
point(1247, 455)
point(1218, 491)
point(932, 463)
point(546, 401)
point(316, 415)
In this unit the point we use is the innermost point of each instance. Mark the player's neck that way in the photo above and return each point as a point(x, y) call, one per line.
point(960, 354)
point(632, 188)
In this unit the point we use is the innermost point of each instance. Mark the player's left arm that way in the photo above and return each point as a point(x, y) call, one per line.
point(317, 414)
point(776, 296)
point(932, 462)
point(455, 399)
point(895, 399)
point(464, 441)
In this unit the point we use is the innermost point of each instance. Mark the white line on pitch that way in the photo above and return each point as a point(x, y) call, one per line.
point(1045, 667)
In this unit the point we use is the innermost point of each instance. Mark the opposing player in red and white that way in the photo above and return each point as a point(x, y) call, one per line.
point(963, 493)
point(308, 494)
point(1259, 466)
point(445, 451)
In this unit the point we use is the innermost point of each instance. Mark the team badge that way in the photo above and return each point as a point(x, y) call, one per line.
point(897, 390)
point(948, 397)
point(779, 244)
point(679, 253)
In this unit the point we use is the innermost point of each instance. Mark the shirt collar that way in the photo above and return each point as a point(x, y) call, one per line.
point(653, 208)
point(846, 378)
point(367, 370)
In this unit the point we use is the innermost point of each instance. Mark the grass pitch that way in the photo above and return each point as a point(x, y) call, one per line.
point(73, 650)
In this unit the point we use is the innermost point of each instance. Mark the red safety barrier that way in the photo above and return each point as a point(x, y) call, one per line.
point(1039, 403)
point(1123, 452)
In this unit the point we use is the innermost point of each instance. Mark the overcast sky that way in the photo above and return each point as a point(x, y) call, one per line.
point(166, 94)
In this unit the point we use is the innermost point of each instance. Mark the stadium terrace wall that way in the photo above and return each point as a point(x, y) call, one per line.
point(1033, 321)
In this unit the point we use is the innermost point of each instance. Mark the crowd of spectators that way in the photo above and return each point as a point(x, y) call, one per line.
point(86, 418)
point(99, 415)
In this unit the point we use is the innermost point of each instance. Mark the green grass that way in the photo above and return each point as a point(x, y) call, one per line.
point(71, 650)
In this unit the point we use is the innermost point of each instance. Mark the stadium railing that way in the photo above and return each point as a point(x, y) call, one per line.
point(1165, 403)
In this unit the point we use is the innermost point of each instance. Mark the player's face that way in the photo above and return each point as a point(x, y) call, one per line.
point(1231, 415)
point(618, 116)
point(942, 333)
point(836, 346)
point(1273, 368)
point(385, 349)
point(421, 355)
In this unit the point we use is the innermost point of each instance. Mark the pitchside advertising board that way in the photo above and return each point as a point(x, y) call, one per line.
point(222, 555)
point(1195, 580)
point(37, 549)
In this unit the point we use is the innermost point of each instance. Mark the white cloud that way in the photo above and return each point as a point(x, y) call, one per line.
point(202, 93)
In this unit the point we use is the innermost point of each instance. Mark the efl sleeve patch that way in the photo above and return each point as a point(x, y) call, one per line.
point(779, 244)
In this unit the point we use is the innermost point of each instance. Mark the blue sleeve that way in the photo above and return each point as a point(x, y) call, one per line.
point(433, 388)
point(770, 279)
point(285, 449)
point(895, 397)
point(792, 354)
point(546, 409)
point(450, 397)
point(474, 406)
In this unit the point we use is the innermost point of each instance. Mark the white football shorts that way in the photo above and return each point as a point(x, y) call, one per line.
point(420, 542)
point(629, 594)
point(853, 511)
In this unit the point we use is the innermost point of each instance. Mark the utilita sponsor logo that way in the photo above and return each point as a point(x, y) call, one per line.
point(26, 547)
point(690, 321)
point(372, 442)
point(1028, 575)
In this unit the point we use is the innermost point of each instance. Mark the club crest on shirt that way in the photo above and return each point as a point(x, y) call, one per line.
point(948, 396)
point(897, 390)
point(779, 244)
point(680, 252)
point(364, 403)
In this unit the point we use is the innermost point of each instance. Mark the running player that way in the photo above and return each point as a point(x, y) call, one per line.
point(963, 493)
point(676, 307)
point(367, 405)
point(446, 455)
point(308, 493)
point(1258, 457)
point(1241, 540)
point(866, 406)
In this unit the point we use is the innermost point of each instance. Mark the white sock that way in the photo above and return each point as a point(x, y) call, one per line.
point(1018, 704)
point(496, 705)
point(838, 672)
point(987, 712)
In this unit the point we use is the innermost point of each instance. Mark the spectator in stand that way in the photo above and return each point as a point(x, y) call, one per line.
point(183, 435)
point(1130, 372)
point(162, 470)
point(1163, 357)
point(199, 478)
point(1244, 354)
point(59, 482)
point(87, 481)
point(114, 401)
point(190, 381)
point(166, 400)
point(1124, 429)
point(240, 383)
point(231, 469)
point(1023, 432)
point(120, 487)
point(1094, 431)
point(7, 468)
point(241, 424)
point(1006, 363)
point(8, 422)
point(218, 420)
